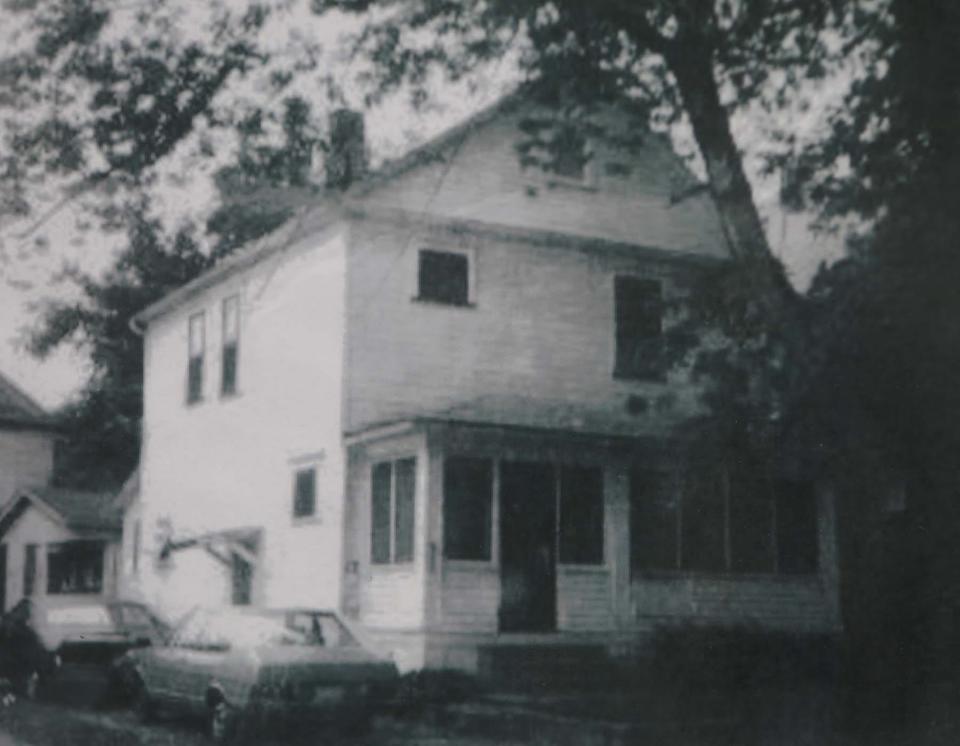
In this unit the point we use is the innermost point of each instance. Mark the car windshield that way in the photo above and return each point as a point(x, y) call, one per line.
point(224, 629)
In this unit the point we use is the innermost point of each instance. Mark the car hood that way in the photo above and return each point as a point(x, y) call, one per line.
point(316, 665)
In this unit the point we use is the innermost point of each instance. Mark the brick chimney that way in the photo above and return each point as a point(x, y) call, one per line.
point(346, 159)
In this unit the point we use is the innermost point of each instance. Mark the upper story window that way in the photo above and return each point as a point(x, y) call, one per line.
point(231, 339)
point(639, 328)
point(393, 490)
point(443, 277)
point(196, 345)
point(305, 493)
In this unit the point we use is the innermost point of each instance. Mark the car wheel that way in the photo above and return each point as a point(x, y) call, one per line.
point(222, 722)
point(142, 703)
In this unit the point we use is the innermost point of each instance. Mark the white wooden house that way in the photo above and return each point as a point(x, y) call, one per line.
point(434, 400)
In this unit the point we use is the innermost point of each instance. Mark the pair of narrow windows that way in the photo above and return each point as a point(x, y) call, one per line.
point(230, 315)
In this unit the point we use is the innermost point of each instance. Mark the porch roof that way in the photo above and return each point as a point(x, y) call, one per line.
point(81, 512)
point(542, 415)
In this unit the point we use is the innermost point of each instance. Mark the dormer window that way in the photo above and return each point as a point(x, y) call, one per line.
point(195, 344)
point(443, 277)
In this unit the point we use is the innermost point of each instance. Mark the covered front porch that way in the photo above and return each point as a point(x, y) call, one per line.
point(465, 536)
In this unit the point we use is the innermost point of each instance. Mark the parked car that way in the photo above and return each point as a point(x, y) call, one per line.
point(242, 669)
point(59, 640)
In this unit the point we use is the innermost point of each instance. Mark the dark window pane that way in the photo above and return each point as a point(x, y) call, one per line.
point(702, 541)
point(751, 523)
point(444, 277)
point(195, 380)
point(404, 509)
point(305, 493)
point(380, 514)
point(797, 544)
point(639, 319)
point(467, 493)
point(75, 567)
point(654, 507)
point(241, 580)
point(29, 569)
point(581, 515)
point(569, 153)
point(228, 380)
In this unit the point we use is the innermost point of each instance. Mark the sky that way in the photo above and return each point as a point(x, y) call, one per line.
point(29, 275)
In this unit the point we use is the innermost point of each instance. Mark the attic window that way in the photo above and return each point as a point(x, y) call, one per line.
point(443, 277)
point(569, 151)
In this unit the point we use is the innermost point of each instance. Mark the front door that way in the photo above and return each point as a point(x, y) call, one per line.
point(528, 530)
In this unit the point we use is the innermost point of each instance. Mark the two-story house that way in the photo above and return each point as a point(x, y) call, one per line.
point(52, 540)
point(436, 400)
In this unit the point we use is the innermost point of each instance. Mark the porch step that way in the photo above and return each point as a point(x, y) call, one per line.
point(546, 667)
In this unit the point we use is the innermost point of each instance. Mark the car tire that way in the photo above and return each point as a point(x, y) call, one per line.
point(143, 705)
point(222, 722)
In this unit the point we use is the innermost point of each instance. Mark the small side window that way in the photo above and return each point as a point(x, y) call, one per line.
point(305, 493)
point(231, 345)
point(196, 345)
point(443, 277)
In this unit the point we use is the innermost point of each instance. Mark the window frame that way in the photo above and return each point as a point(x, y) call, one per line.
point(654, 372)
point(64, 547)
point(564, 558)
point(230, 342)
point(194, 395)
point(465, 251)
point(493, 465)
point(393, 524)
point(772, 486)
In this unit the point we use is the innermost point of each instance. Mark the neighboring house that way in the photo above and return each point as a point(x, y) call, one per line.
point(58, 541)
point(436, 400)
point(27, 437)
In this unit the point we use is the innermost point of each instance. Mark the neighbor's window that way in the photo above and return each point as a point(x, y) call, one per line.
point(444, 277)
point(581, 515)
point(195, 366)
point(393, 489)
point(305, 493)
point(231, 338)
point(29, 569)
point(708, 519)
point(135, 551)
point(467, 501)
point(75, 567)
point(639, 328)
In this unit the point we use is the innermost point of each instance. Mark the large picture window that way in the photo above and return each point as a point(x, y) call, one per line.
point(75, 567)
point(392, 511)
point(712, 520)
point(467, 501)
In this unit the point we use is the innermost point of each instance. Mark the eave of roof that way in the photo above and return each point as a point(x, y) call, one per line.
point(82, 512)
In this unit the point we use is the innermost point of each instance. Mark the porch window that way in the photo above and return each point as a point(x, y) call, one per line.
point(712, 520)
point(29, 569)
point(467, 501)
point(444, 277)
point(75, 567)
point(231, 341)
point(196, 344)
point(393, 490)
point(639, 328)
point(581, 515)
point(305, 493)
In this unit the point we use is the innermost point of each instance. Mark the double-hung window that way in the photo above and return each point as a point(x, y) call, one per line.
point(196, 344)
point(231, 341)
point(638, 306)
point(443, 277)
point(305, 493)
point(393, 491)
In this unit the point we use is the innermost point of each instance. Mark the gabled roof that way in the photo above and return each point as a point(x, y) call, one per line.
point(82, 512)
point(691, 215)
point(19, 410)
